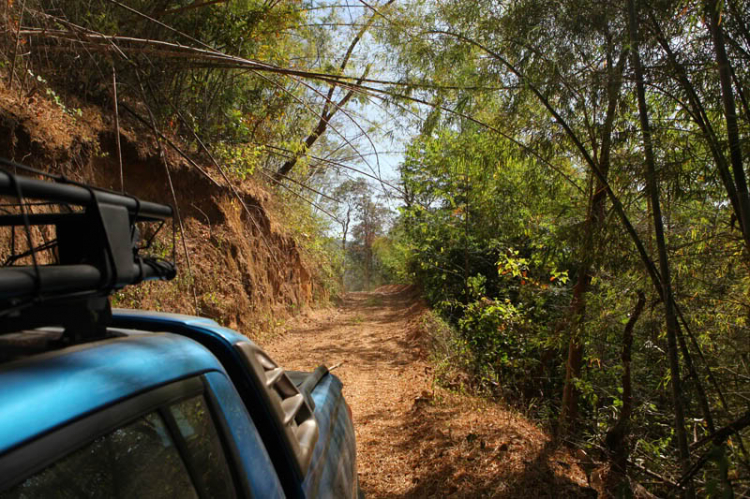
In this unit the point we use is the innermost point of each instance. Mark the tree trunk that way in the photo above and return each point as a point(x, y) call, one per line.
point(730, 114)
point(345, 230)
point(616, 440)
point(594, 222)
point(368, 261)
point(653, 191)
point(569, 409)
point(701, 118)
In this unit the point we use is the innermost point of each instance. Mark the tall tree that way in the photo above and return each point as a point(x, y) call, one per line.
point(666, 282)
point(331, 107)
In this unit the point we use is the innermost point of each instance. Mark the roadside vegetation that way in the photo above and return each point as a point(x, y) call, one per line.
point(570, 195)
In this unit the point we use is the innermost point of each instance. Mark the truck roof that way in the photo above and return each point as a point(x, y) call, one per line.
point(46, 391)
point(207, 326)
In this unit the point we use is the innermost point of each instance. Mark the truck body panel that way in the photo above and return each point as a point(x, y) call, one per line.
point(334, 460)
point(333, 463)
point(45, 391)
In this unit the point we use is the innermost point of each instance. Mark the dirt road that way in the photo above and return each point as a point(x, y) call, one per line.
point(413, 438)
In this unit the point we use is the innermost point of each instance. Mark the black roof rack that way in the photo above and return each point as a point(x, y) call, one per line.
point(64, 191)
point(94, 250)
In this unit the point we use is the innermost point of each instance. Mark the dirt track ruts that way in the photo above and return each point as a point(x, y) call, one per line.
point(413, 439)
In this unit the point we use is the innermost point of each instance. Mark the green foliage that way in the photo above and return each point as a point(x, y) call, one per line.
point(241, 160)
point(500, 222)
point(390, 253)
point(220, 104)
point(322, 252)
point(489, 256)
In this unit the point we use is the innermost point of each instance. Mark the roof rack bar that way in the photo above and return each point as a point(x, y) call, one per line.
point(74, 194)
point(20, 282)
point(95, 248)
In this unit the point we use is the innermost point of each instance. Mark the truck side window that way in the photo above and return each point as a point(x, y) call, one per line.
point(137, 460)
point(197, 429)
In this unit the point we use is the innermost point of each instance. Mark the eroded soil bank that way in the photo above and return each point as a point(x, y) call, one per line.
point(415, 439)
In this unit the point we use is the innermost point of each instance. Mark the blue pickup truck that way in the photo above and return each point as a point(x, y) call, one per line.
point(102, 402)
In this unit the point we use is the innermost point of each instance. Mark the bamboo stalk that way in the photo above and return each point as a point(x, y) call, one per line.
point(163, 156)
point(117, 127)
point(15, 48)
